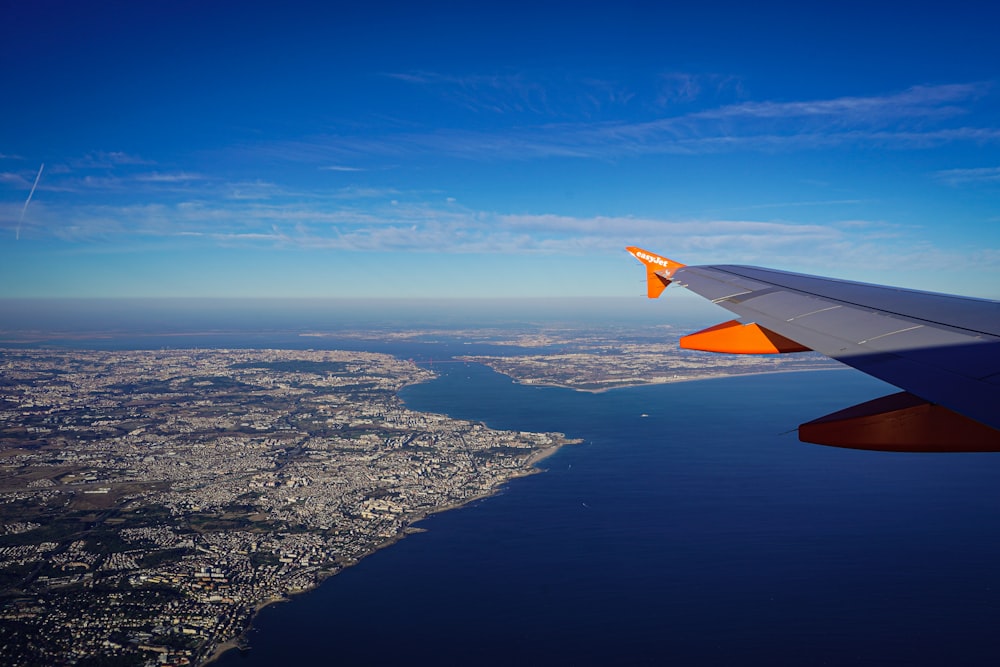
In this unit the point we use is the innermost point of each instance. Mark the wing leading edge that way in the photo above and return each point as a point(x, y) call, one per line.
point(943, 350)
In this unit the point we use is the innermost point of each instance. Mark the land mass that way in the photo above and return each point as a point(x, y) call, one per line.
point(152, 501)
point(601, 359)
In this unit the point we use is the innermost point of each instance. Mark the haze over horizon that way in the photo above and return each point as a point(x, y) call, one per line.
point(438, 150)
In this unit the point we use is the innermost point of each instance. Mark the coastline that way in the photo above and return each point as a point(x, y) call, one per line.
point(239, 642)
point(527, 382)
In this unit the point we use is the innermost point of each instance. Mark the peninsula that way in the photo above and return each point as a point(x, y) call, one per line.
point(603, 359)
point(152, 501)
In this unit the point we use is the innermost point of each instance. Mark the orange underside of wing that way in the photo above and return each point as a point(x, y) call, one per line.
point(901, 423)
point(734, 338)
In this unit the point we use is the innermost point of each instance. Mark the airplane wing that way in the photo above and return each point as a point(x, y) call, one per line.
point(942, 350)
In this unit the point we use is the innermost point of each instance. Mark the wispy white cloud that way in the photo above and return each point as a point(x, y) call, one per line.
point(141, 202)
point(496, 93)
point(916, 118)
point(917, 101)
point(801, 204)
point(110, 183)
point(414, 225)
point(966, 176)
point(250, 190)
point(570, 96)
point(107, 159)
point(686, 87)
point(14, 179)
point(168, 177)
point(337, 167)
point(357, 192)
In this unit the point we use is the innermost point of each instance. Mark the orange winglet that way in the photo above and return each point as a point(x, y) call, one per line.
point(734, 338)
point(659, 270)
point(901, 423)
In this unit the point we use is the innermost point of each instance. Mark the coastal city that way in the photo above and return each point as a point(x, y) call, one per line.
point(602, 358)
point(599, 358)
point(152, 501)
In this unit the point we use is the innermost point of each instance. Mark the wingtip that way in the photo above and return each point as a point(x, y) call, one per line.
point(659, 269)
point(661, 264)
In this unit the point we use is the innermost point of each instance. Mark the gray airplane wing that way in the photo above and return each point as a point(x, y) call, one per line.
point(943, 350)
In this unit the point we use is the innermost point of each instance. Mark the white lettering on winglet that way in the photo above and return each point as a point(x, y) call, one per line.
point(653, 258)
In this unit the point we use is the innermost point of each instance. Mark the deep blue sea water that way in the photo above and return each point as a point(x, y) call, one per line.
point(701, 534)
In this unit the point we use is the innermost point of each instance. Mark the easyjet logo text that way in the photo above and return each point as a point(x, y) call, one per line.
point(652, 258)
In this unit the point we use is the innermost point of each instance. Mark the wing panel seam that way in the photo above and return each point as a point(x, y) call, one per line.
point(821, 310)
point(891, 333)
point(844, 302)
point(725, 298)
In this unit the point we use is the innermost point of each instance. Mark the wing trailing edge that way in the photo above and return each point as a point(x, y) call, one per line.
point(901, 423)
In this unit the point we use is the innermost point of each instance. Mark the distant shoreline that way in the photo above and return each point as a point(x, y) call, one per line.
point(631, 385)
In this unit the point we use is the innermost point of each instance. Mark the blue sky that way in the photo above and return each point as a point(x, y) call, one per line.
point(497, 149)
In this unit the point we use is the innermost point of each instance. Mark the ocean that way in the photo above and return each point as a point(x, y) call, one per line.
point(690, 527)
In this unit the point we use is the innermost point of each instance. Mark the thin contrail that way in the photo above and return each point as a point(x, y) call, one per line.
point(17, 235)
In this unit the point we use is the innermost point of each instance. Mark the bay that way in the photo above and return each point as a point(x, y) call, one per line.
point(690, 527)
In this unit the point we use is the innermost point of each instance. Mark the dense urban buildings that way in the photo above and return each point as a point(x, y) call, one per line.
point(150, 502)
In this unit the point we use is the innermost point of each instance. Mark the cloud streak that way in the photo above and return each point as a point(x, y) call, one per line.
point(417, 226)
point(378, 221)
point(915, 118)
point(497, 93)
point(969, 176)
point(114, 199)
point(20, 220)
point(108, 159)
